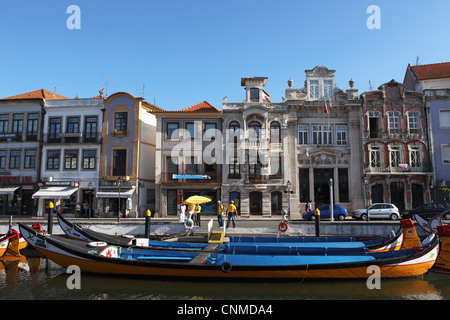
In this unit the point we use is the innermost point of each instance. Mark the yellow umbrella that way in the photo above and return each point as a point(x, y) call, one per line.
point(197, 199)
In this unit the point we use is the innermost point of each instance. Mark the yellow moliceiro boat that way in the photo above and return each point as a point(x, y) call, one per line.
point(115, 260)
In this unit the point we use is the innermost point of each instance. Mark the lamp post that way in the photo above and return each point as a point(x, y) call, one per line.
point(119, 185)
point(444, 189)
point(366, 180)
point(90, 187)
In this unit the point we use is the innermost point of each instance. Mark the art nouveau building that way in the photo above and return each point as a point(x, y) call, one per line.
point(255, 139)
point(397, 166)
point(324, 141)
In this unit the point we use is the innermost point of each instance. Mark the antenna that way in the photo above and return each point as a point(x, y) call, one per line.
point(417, 60)
point(143, 91)
point(107, 84)
point(370, 85)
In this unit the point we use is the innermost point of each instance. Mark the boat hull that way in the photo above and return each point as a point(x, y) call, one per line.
point(66, 255)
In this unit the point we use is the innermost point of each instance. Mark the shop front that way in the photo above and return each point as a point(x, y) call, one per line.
point(110, 202)
point(16, 195)
point(63, 194)
point(175, 197)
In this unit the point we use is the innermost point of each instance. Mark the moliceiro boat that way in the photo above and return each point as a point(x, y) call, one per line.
point(116, 260)
point(406, 237)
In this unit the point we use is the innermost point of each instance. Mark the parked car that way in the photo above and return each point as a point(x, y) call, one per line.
point(339, 212)
point(428, 210)
point(377, 211)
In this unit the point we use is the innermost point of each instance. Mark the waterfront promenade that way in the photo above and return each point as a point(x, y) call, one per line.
point(244, 226)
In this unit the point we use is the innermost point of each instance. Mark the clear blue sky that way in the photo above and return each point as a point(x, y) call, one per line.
point(187, 51)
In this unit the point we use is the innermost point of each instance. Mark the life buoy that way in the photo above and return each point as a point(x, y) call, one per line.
point(97, 244)
point(189, 224)
point(283, 226)
point(226, 267)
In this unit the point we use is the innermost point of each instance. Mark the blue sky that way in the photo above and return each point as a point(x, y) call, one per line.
point(185, 52)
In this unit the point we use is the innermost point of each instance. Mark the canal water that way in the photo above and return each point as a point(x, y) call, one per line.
point(37, 278)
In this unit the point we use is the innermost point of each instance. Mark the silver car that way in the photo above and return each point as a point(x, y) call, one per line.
point(378, 211)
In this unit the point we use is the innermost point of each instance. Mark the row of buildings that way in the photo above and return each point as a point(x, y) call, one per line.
point(121, 153)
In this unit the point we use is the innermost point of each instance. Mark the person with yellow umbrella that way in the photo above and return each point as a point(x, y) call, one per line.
point(195, 201)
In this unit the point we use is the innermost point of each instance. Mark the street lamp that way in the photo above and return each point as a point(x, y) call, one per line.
point(119, 185)
point(90, 187)
point(330, 183)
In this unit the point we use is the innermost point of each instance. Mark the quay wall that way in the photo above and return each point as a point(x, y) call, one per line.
point(254, 228)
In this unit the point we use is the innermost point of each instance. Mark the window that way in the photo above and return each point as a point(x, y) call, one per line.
point(395, 158)
point(254, 131)
point(314, 88)
point(4, 122)
point(172, 131)
point(255, 169)
point(90, 128)
point(14, 159)
point(210, 131)
point(375, 157)
point(341, 135)
point(413, 122)
point(415, 157)
point(53, 160)
point(55, 129)
point(119, 162)
point(121, 121)
point(374, 124)
point(2, 159)
point(275, 166)
point(445, 154)
point(73, 125)
point(32, 126)
point(172, 201)
point(328, 88)
point(322, 135)
point(191, 130)
point(275, 132)
point(302, 134)
point(191, 166)
point(444, 119)
point(70, 159)
point(394, 122)
point(89, 159)
point(30, 159)
point(254, 94)
point(18, 125)
point(234, 168)
point(276, 202)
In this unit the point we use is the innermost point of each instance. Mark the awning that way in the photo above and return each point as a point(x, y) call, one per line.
point(8, 190)
point(115, 194)
point(55, 193)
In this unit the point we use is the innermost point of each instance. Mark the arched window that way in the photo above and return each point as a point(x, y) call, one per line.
point(254, 130)
point(255, 202)
point(275, 132)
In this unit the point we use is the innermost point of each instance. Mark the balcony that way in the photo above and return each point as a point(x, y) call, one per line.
point(73, 137)
point(203, 178)
point(256, 179)
point(382, 169)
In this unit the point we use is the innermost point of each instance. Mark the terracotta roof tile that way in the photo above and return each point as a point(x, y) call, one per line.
point(38, 94)
point(203, 106)
point(432, 71)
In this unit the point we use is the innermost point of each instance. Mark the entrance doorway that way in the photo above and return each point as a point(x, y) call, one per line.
point(398, 195)
point(377, 193)
point(417, 195)
point(256, 203)
point(321, 187)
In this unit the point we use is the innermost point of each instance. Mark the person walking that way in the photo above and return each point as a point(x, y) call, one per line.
point(220, 210)
point(231, 213)
point(198, 209)
point(86, 209)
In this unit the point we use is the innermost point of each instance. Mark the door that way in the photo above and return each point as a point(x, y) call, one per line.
point(321, 186)
point(417, 195)
point(398, 195)
point(256, 202)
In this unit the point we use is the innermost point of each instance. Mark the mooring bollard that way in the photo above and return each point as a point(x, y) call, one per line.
point(50, 218)
point(317, 221)
point(148, 216)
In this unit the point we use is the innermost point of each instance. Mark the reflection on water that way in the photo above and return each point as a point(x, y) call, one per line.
point(34, 278)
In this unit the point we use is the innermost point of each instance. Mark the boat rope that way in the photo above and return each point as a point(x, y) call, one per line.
point(306, 272)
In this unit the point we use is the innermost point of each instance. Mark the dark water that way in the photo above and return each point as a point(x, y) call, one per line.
point(40, 279)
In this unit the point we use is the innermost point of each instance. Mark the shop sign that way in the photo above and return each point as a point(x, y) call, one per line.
point(16, 180)
point(62, 184)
